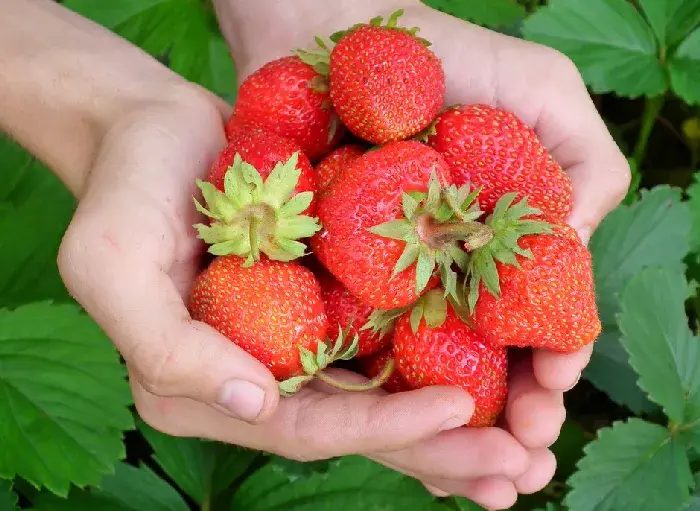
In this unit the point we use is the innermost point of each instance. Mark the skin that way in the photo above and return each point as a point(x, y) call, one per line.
point(128, 138)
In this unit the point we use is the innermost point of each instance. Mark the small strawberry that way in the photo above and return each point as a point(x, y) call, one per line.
point(532, 285)
point(345, 312)
point(385, 83)
point(388, 224)
point(288, 97)
point(328, 168)
point(259, 195)
point(495, 151)
point(433, 345)
point(374, 364)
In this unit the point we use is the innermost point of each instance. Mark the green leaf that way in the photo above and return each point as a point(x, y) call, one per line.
point(693, 202)
point(129, 489)
point(631, 466)
point(8, 498)
point(35, 209)
point(684, 67)
point(182, 33)
point(493, 13)
point(65, 398)
point(651, 232)
point(202, 469)
point(671, 20)
point(467, 505)
point(351, 483)
point(568, 448)
point(609, 41)
point(662, 348)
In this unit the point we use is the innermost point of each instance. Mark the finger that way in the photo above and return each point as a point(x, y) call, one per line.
point(116, 258)
point(493, 493)
point(543, 464)
point(463, 453)
point(560, 371)
point(533, 413)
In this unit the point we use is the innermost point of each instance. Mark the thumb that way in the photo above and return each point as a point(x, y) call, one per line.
point(139, 307)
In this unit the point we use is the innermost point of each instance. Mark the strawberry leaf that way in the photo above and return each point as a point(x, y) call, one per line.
point(652, 232)
point(684, 67)
point(35, 209)
point(351, 483)
point(129, 489)
point(494, 13)
point(65, 396)
point(662, 348)
point(671, 20)
point(8, 498)
point(693, 202)
point(182, 33)
point(632, 465)
point(202, 469)
point(610, 42)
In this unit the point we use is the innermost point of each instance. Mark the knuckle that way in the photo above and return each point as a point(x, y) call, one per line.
point(155, 366)
point(563, 66)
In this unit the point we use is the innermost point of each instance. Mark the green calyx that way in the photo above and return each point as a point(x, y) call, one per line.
point(432, 225)
point(253, 217)
point(319, 59)
point(378, 21)
point(431, 307)
point(508, 222)
point(313, 363)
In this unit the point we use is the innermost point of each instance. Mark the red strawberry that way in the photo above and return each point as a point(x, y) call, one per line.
point(288, 97)
point(492, 149)
point(328, 168)
point(259, 195)
point(379, 219)
point(263, 150)
point(344, 310)
point(533, 284)
point(453, 354)
point(385, 84)
point(269, 309)
point(374, 364)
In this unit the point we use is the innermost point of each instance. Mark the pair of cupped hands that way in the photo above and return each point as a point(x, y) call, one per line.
point(130, 257)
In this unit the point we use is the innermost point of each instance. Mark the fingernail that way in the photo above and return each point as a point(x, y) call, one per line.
point(242, 399)
point(585, 234)
point(454, 422)
point(578, 378)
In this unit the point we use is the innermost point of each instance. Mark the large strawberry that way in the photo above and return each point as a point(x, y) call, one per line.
point(259, 194)
point(388, 224)
point(345, 312)
point(373, 365)
point(328, 168)
point(288, 97)
point(532, 285)
point(495, 151)
point(437, 347)
point(385, 83)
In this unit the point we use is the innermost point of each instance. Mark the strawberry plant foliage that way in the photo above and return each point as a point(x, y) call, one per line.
point(201, 469)
point(494, 13)
point(684, 68)
point(634, 465)
point(671, 20)
point(35, 209)
point(64, 396)
point(128, 489)
point(609, 40)
point(662, 349)
point(8, 498)
point(181, 32)
point(652, 232)
point(351, 483)
point(694, 205)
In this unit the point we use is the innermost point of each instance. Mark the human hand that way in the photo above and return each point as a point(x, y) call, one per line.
point(545, 90)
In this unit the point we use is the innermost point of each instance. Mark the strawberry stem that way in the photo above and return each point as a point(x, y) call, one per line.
point(374, 383)
point(474, 234)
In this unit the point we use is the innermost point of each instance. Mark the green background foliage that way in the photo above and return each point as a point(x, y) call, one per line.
point(69, 439)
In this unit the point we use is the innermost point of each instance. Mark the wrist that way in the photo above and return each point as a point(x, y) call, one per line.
point(260, 31)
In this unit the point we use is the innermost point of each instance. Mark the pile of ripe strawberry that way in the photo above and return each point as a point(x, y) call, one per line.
point(424, 243)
